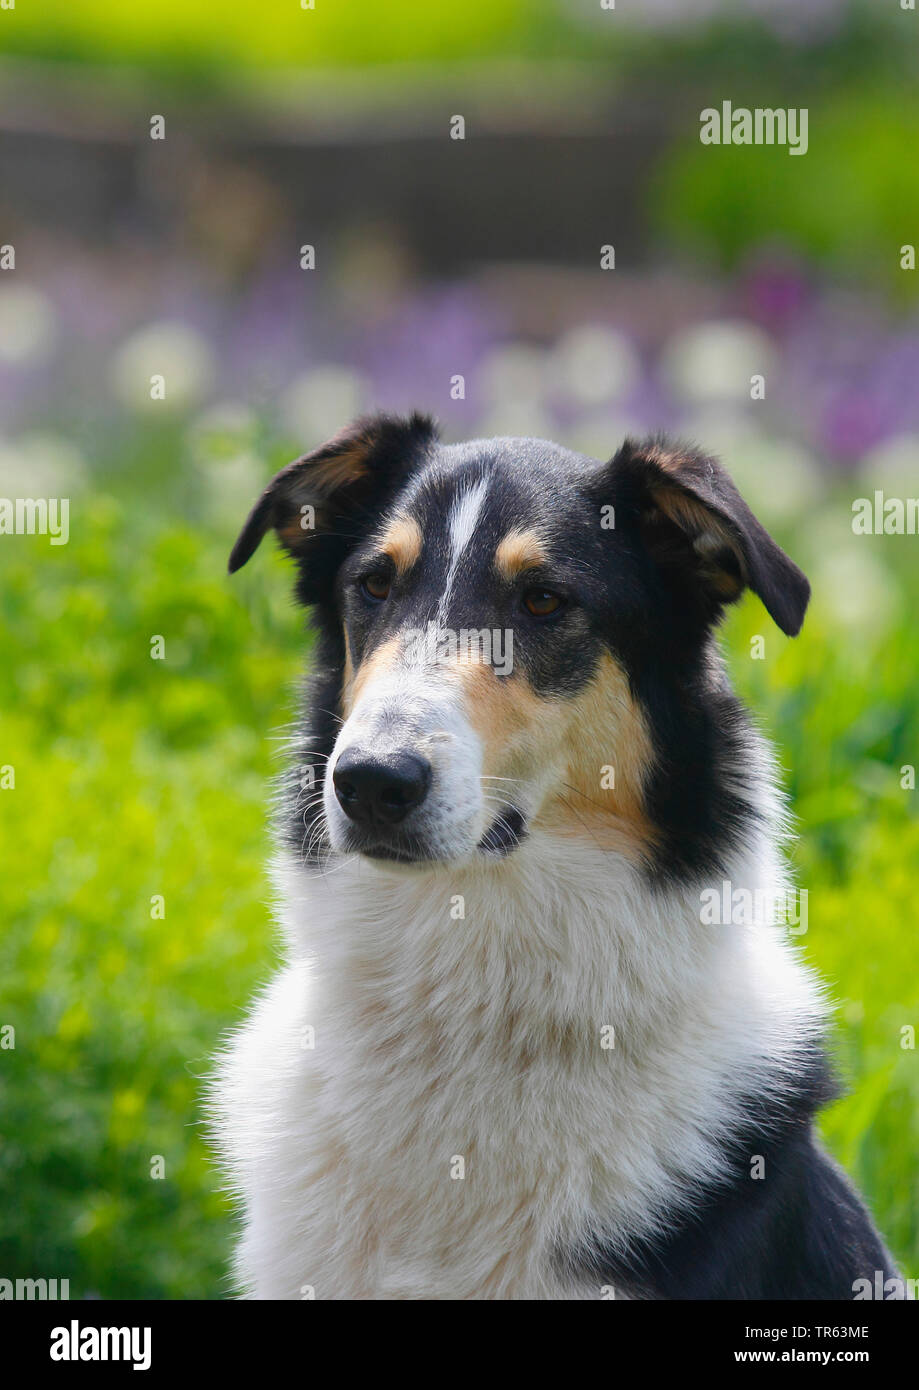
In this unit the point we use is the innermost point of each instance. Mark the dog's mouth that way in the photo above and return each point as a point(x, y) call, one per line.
point(503, 836)
point(394, 854)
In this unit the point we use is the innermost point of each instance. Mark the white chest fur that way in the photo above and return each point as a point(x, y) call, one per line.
point(459, 1076)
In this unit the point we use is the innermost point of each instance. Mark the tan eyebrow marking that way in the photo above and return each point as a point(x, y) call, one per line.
point(402, 542)
point(519, 550)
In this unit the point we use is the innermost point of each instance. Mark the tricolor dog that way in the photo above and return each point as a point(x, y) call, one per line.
point(507, 1055)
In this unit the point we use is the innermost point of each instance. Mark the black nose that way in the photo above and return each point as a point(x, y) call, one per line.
point(380, 789)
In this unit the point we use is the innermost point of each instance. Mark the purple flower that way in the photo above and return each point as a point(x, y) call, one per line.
point(411, 356)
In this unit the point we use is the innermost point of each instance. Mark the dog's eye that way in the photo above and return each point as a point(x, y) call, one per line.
point(376, 587)
point(540, 603)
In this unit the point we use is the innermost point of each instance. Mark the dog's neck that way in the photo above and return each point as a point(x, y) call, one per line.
point(555, 1009)
point(562, 934)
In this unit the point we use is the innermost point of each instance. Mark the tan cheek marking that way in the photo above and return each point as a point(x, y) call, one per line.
point(511, 720)
point(605, 728)
point(380, 661)
point(402, 542)
point(519, 550)
point(602, 727)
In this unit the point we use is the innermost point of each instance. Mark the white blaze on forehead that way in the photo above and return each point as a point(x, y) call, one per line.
point(463, 518)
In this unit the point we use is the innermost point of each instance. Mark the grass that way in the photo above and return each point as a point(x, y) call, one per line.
point(138, 779)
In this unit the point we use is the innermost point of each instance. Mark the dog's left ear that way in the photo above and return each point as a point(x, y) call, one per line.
point(699, 530)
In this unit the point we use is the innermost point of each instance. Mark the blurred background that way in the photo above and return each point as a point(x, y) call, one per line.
point(138, 779)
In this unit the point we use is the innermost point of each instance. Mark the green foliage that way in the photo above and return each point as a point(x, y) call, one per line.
point(191, 35)
point(848, 205)
point(138, 777)
point(135, 777)
point(842, 705)
point(188, 37)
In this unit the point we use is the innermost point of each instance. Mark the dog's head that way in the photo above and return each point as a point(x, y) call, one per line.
point(518, 636)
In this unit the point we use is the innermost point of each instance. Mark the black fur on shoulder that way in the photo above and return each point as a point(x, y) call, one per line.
point(797, 1232)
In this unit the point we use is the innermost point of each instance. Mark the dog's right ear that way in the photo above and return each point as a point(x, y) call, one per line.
point(317, 503)
point(702, 536)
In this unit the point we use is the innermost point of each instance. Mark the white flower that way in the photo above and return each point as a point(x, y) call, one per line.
point(855, 587)
point(850, 580)
point(599, 433)
point(222, 442)
point(779, 480)
point(28, 326)
point(321, 401)
point(715, 361)
point(171, 350)
point(512, 373)
point(893, 465)
point(593, 365)
point(40, 465)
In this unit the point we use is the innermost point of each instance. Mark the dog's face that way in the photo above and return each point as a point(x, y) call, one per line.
point(511, 629)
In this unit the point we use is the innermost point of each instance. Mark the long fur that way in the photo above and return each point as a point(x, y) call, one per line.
point(479, 1037)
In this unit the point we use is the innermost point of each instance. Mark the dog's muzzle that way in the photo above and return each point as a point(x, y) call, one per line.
point(405, 782)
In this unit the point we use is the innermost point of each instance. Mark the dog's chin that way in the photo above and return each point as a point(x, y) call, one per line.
point(400, 860)
point(410, 853)
point(403, 865)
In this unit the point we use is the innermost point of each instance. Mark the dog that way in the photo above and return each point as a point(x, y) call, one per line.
point(507, 1056)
